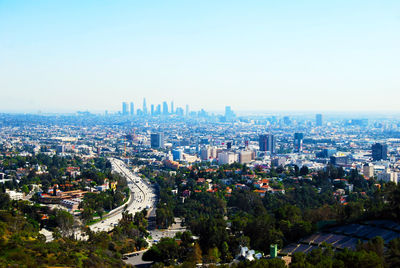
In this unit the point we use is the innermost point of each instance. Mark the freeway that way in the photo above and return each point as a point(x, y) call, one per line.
point(142, 196)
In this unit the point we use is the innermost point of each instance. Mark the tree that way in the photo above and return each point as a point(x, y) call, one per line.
point(4, 201)
point(164, 217)
point(304, 171)
point(213, 256)
point(376, 245)
point(25, 189)
point(166, 251)
point(100, 212)
point(87, 214)
point(393, 253)
point(65, 222)
point(196, 255)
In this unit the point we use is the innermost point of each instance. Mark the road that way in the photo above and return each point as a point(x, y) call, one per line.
point(142, 196)
point(34, 190)
point(157, 234)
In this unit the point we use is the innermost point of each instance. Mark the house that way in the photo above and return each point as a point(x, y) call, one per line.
point(201, 180)
point(260, 192)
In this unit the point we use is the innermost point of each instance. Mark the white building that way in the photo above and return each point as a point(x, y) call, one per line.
point(208, 152)
point(245, 157)
point(227, 158)
point(388, 175)
point(368, 171)
point(205, 153)
point(15, 195)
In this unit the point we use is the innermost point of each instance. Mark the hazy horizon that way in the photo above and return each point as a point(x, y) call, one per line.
point(65, 56)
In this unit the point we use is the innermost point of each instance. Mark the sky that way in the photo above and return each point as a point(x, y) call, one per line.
point(297, 55)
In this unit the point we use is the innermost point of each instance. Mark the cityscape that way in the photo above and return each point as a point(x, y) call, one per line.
point(154, 165)
point(199, 134)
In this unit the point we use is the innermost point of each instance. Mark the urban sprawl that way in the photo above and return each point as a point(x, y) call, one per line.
point(154, 180)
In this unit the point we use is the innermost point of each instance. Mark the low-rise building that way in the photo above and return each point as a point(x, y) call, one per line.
point(15, 195)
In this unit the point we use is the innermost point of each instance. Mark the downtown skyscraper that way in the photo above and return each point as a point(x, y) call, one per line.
point(132, 111)
point(144, 107)
point(124, 108)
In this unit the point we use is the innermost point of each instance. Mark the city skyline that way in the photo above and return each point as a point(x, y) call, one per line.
point(199, 133)
point(254, 56)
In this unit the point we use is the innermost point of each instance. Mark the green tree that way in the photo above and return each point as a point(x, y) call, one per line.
point(65, 222)
point(25, 189)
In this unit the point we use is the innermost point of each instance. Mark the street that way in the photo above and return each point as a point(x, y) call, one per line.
point(142, 196)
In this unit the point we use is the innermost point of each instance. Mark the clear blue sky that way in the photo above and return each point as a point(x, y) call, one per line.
point(252, 55)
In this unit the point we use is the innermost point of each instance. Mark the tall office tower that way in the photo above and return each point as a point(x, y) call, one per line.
point(379, 151)
point(298, 142)
point(205, 153)
point(172, 107)
point(165, 108)
point(318, 120)
point(157, 140)
point(152, 110)
point(229, 114)
point(158, 110)
point(132, 109)
point(229, 145)
point(144, 106)
point(267, 143)
point(124, 108)
point(187, 110)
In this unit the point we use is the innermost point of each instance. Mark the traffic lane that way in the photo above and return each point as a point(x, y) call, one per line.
point(109, 222)
point(134, 206)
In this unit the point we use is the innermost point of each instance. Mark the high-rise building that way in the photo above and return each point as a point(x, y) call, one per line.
point(177, 154)
point(368, 170)
point(157, 140)
point(379, 151)
point(144, 106)
point(187, 110)
point(340, 160)
point(267, 143)
point(124, 108)
point(227, 158)
point(158, 110)
point(298, 142)
point(388, 175)
point(152, 109)
point(205, 153)
point(172, 107)
point(229, 114)
point(165, 108)
point(132, 109)
point(262, 142)
point(326, 153)
point(246, 157)
point(229, 145)
point(318, 120)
